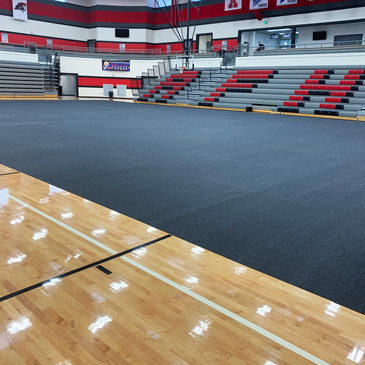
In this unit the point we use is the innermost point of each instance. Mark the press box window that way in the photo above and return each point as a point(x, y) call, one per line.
point(122, 33)
point(319, 36)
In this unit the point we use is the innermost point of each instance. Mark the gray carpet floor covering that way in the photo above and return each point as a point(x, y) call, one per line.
point(284, 195)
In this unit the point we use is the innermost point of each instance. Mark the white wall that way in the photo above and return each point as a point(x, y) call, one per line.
point(108, 34)
point(230, 29)
point(18, 57)
point(306, 33)
point(92, 67)
point(219, 30)
point(326, 59)
point(198, 62)
point(8, 24)
point(112, 2)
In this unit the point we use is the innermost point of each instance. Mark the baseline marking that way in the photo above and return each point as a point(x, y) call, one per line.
point(10, 173)
point(183, 289)
point(96, 264)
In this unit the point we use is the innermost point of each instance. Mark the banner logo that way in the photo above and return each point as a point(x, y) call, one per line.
point(258, 4)
point(20, 9)
point(286, 2)
point(232, 5)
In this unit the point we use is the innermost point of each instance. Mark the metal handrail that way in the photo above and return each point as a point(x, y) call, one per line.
point(31, 47)
point(244, 50)
point(214, 51)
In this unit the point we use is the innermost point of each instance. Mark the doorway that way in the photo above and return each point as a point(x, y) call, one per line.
point(91, 45)
point(204, 42)
point(69, 85)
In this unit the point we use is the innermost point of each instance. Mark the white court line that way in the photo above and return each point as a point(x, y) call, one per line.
point(228, 313)
point(182, 288)
point(63, 225)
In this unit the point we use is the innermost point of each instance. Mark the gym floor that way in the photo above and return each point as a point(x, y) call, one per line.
point(281, 194)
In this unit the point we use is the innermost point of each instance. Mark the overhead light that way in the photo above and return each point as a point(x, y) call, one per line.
point(279, 30)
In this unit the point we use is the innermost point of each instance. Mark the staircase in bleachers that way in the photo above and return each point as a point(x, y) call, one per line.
point(175, 87)
point(334, 92)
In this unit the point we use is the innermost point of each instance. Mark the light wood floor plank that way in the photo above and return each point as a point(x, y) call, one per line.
point(319, 326)
point(128, 317)
point(135, 315)
point(116, 230)
point(6, 170)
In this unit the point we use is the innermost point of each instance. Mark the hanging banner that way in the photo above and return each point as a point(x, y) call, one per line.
point(258, 4)
point(286, 2)
point(20, 9)
point(232, 5)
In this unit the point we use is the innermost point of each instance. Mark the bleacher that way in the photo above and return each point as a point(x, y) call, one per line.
point(175, 87)
point(333, 92)
point(27, 79)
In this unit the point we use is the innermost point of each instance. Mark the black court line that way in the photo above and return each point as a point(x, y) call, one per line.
point(82, 268)
point(104, 269)
point(10, 173)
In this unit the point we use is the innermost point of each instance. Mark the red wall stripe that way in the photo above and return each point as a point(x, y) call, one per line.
point(82, 15)
point(42, 41)
point(99, 81)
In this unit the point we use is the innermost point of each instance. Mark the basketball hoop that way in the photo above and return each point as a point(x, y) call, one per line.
point(184, 62)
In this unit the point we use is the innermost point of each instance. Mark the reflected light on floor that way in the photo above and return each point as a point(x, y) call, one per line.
point(67, 215)
point(4, 198)
point(262, 311)
point(118, 286)
point(239, 270)
point(356, 354)
point(99, 323)
point(98, 232)
point(192, 280)
point(40, 234)
point(332, 309)
point(19, 325)
point(201, 328)
point(51, 282)
point(18, 258)
point(18, 219)
point(139, 252)
point(197, 250)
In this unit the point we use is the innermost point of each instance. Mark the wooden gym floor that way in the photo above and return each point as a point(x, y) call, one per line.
point(81, 284)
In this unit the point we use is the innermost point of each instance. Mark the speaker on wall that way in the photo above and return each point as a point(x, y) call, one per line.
point(319, 36)
point(122, 33)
